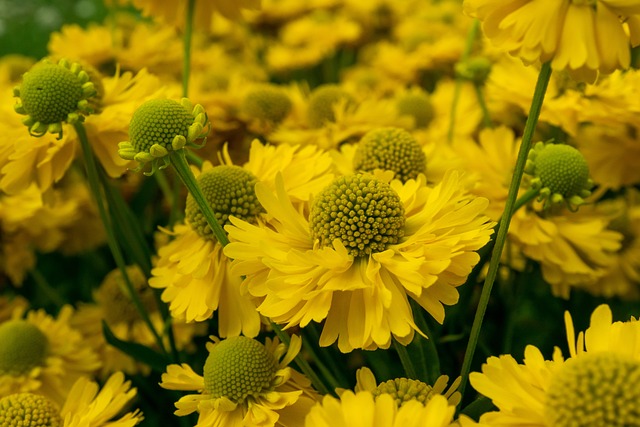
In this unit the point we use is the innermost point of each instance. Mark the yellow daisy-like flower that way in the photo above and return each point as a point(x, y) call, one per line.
point(174, 11)
point(87, 404)
point(364, 249)
point(43, 355)
point(244, 383)
point(595, 386)
point(364, 410)
point(192, 269)
point(583, 37)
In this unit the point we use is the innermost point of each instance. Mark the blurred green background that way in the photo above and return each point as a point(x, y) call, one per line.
point(25, 25)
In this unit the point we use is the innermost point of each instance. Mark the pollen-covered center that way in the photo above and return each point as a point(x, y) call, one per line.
point(392, 149)
point(266, 103)
point(595, 390)
point(404, 390)
point(366, 215)
point(28, 410)
point(158, 121)
point(49, 92)
point(24, 347)
point(238, 367)
point(229, 190)
point(113, 296)
point(562, 169)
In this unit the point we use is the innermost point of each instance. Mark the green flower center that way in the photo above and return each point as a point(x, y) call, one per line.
point(229, 190)
point(50, 92)
point(268, 103)
point(158, 121)
point(562, 169)
point(595, 390)
point(28, 410)
point(24, 347)
point(113, 296)
point(238, 367)
point(321, 104)
point(417, 105)
point(365, 214)
point(403, 390)
point(390, 149)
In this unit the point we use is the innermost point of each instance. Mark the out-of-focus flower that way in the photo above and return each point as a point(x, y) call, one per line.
point(244, 383)
point(174, 12)
point(365, 248)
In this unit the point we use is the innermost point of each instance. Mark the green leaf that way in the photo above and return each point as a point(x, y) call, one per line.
point(157, 361)
point(478, 407)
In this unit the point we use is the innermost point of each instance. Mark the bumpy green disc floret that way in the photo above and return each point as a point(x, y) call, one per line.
point(322, 102)
point(269, 103)
point(365, 214)
point(28, 410)
point(404, 390)
point(560, 172)
point(392, 149)
point(54, 93)
point(598, 389)
point(238, 367)
point(160, 126)
point(229, 190)
point(416, 104)
point(24, 347)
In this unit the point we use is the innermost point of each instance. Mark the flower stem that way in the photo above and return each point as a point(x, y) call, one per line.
point(407, 364)
point(181, 166)
point(46, 289)
point(486, 116)
point(186, 57)
point(98, 193)
point(505, 219)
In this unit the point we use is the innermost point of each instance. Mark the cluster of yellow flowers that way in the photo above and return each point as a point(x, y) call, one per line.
point(325, 186)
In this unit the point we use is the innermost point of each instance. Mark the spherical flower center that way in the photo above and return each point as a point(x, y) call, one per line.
point(417, 105)
point(28, 410)
point(24, 347)
point(238, 367)
point(229, 190)
point(113, 296)
point(268, 103)
point(595, 390)
point(403, 390)
point(390, 149)
point(366, 215)
point(158, 121)
point(322, 103)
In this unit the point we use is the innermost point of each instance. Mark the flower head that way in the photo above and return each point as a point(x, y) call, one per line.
point(417, 104)
point(323, 102)
point(266, 102)
point(160, 126)
point(29, 410)
point(392, 149)
point(561, 174)
point(24, 347)
point(53, 93)
point(245, 382)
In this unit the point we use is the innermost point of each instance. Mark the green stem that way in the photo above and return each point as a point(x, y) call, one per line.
point(326, 372)
point(46, 289)
point(471, 38)
point(181, 166)
point(430, 362)
point(407, 364)
point(186, 57)
point(503, 227)
point(486, 116)
point(194, 158)
point(98, 193)
point(301, 362)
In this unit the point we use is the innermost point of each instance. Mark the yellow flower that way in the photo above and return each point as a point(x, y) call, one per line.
point(365, 410)
point(583, 37)
point(244, 383)
point(43, 355)
point(419, 242)
point(87, 404)
point(173, 12)
point(594, 386)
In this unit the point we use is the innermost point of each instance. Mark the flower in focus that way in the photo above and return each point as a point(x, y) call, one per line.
point(86, 405)
point(365, 247)
point(40, 354)
point(583, 37)
point(244, 383)
point(595, 386)
point(366, 410)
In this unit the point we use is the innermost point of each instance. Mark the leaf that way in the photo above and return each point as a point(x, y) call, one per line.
point(157, 361)
point(478, 407)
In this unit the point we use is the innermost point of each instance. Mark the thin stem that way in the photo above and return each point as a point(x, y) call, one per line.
point(505, 220)
point(98, 193)
point(324, 370)
point(407, 364)
point(471, 38)
point(45, 287)
point(186, 57)
point(486, 116)
point(181, 166)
